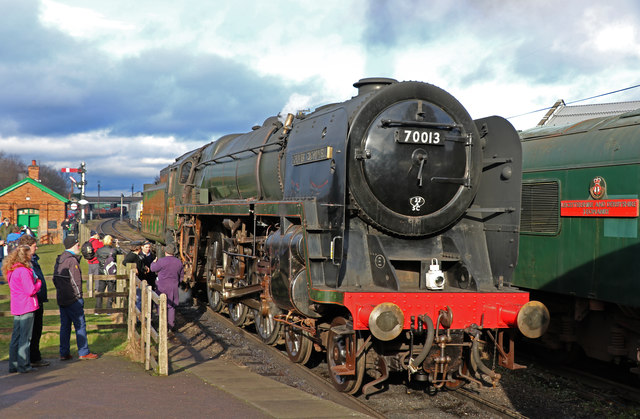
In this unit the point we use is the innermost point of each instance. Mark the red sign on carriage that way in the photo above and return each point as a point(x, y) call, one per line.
point(599, 208)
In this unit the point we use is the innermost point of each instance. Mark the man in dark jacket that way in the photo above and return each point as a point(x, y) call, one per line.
point(147, 256)
point(68, 281)
point(134, 257)
point(36, 356)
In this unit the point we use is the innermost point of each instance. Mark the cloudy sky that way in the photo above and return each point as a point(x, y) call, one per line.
point(127, 86)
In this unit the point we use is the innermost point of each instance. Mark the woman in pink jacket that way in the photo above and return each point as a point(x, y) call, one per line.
point(16, 267)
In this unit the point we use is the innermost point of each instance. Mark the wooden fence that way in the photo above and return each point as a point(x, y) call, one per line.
point(150, 345)
point(117, 322)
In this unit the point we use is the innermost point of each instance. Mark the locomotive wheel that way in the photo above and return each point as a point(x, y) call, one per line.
point(238, 312)
point(299, 347)
point(339, 348)
point(214, 297)
point(268, 329)
point(454, 385)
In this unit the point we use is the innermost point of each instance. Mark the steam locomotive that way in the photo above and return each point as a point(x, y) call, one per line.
point(382, 230)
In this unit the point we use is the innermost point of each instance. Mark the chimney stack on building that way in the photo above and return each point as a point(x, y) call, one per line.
point(34, 171)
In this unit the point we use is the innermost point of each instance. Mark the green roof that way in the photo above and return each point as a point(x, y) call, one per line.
point(37, 185)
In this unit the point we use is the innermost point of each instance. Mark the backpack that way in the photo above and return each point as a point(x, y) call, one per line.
point(108, 266)
point(87, 250)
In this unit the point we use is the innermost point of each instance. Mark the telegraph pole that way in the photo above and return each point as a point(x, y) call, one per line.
point(98, 208)
point(83, 182)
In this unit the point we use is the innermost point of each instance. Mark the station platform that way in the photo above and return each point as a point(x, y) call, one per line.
point(114, 386)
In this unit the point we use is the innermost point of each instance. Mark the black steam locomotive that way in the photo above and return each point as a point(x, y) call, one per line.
point(382, 230)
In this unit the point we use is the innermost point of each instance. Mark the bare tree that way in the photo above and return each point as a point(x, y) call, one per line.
point(13, 170)
point(55, 180)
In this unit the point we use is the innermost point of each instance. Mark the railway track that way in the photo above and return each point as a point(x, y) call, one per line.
point(246, 348)
point(248, 352)
point(120, 230)
point(532, 392)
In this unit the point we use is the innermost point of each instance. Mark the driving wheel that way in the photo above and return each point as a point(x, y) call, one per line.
point(345, 370)
point(267, 327)
point(213, 256)
point(299, 347)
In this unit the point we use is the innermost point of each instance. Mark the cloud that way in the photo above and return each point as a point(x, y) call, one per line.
point(128, 86)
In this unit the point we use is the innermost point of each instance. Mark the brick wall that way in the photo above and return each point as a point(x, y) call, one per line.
point(50, 209)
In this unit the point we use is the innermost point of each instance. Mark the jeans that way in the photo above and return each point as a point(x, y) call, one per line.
point(73, 313)
point(20, 341)
point(110, 286)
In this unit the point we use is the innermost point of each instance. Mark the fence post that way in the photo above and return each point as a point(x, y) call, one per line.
point(90, 286)
point(120, 269)
point(147, 337)
point(83, 231)
point(131, 319)
point(143, 320)
point(163, 357)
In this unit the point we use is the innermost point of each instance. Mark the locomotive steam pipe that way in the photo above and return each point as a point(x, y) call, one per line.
point(415, 363)
point(478, 364)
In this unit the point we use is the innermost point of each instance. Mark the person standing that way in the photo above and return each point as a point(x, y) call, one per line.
point(134, 256)
point(67, 279)
point(170, 274)
point(94, 265)
point(148, 256)
point(65, 228)
point(73, 225)
point(36, 356)
point(106, 256)
point(23, 290)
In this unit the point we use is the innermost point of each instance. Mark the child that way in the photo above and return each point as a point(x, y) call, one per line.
point(17, 269)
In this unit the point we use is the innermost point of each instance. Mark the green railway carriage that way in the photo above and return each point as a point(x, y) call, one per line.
point(579, 239)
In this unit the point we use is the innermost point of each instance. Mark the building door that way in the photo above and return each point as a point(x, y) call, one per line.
point(29, 217)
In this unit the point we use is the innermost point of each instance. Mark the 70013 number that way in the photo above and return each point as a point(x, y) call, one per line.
point(414, 136)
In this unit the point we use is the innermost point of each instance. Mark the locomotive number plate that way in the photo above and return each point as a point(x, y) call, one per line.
point(418, 136)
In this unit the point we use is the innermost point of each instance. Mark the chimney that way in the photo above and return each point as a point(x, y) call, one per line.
point(34, 171)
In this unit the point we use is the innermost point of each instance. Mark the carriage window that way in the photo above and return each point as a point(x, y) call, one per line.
point(184, 172)
point(540, 212)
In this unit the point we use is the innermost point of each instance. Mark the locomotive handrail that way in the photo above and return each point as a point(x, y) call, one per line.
point(235, 153)
point(238, 254)
point(388, 123)
point(500, 209)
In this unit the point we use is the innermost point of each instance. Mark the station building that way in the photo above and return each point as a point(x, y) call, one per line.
point(28, 202)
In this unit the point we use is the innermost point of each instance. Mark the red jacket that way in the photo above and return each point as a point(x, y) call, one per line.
point(96, 244)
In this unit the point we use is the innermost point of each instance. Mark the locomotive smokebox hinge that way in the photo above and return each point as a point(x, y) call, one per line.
point(362, 154)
